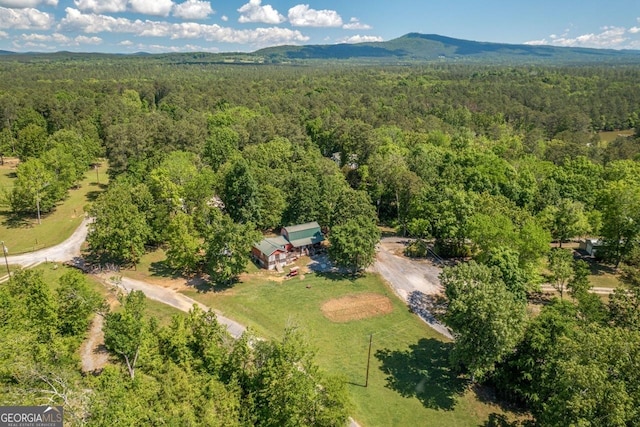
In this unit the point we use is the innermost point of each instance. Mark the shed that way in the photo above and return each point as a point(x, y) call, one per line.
point(590, 246)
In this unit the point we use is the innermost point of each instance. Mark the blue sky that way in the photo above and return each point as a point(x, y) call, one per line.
point(246, 25)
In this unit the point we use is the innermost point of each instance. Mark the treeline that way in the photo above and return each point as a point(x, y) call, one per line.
point(573, 363)
point(190, 372)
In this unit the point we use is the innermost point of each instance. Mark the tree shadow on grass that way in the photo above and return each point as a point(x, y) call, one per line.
point(422, 371)
point(162, 269)
point(16, 221)
point(337, 276)
point(501, 420)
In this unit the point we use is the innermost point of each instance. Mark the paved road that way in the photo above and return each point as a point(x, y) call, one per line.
point(409, 278)
point(62, 252)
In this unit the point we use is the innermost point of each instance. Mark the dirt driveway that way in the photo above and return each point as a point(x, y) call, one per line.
point(412, 280)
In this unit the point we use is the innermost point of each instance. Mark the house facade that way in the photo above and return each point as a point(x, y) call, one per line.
point(294, 241)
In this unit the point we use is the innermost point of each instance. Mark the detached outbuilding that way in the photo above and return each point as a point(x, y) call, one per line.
point(295, 241)
point(590, 246)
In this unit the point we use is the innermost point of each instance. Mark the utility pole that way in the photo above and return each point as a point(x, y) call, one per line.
point(38, 199)
point(5, 250)
point(366, 382)
point(38, 205)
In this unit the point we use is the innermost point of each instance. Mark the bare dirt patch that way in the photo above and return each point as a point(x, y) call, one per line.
point(356, 307)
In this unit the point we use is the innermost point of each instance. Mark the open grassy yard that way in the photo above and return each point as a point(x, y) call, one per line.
point(409, 383)
point(24, 234)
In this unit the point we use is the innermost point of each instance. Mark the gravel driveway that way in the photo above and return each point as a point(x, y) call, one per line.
point(65, 251)
point(410, 279)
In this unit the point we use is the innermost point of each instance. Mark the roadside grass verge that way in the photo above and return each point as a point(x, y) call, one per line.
point(25, 234)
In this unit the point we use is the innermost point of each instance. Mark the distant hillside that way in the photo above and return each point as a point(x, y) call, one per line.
point(416, 47)
point(413, 48)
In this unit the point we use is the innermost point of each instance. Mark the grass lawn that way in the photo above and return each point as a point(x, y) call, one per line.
point(24, 234)
point(409, 383)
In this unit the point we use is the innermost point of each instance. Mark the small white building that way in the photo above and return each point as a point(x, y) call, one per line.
point(590, 246)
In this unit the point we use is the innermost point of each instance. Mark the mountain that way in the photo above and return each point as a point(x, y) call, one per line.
point(415, 47)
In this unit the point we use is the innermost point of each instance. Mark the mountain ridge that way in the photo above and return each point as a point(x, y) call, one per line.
point(411, 48)
point(417, 47)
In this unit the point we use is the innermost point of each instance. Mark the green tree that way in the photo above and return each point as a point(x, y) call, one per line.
point(565, 220)
point(76, 303)
point(228, 247)
point(125, 330)
point(119, 230)
point(526, 375)
point(506, 261)
point(353, 244)
point(620, 206)
point(220, 145)
point(290, 390)
point(561, 267)
point(486, 319)
point(31, 141)
point(594, 380)
point(240, 193)
point(184, 251)
point(34, 190)
point(579, 283)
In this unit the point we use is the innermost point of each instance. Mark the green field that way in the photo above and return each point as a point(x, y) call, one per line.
point(607, 137)
point(25, 235)
point(410, 382)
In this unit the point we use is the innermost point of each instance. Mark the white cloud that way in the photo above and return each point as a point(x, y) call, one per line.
point(193, 9)
point(4, 35)
point(151, 7)
point(93, 23)
point(255, 12)
point(40, 40)
point(23, 4)
point(157, 48)
point(302, 16)
point(634, 30)
point(125, 43)
point(225, 18)
point(25, 19)
point(609, 37)
point(355, 24)
point(361, 39)
point(99, 6)
point(87, 40)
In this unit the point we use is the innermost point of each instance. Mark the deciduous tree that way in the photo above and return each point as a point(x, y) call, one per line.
point(486, 319)
point(353, 244)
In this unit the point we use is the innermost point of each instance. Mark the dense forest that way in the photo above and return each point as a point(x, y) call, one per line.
point(488, 163)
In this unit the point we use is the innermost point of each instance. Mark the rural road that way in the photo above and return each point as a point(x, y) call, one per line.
point(409, 277)
point(62, 252)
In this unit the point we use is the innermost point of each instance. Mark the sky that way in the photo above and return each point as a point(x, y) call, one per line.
point(127, 26)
